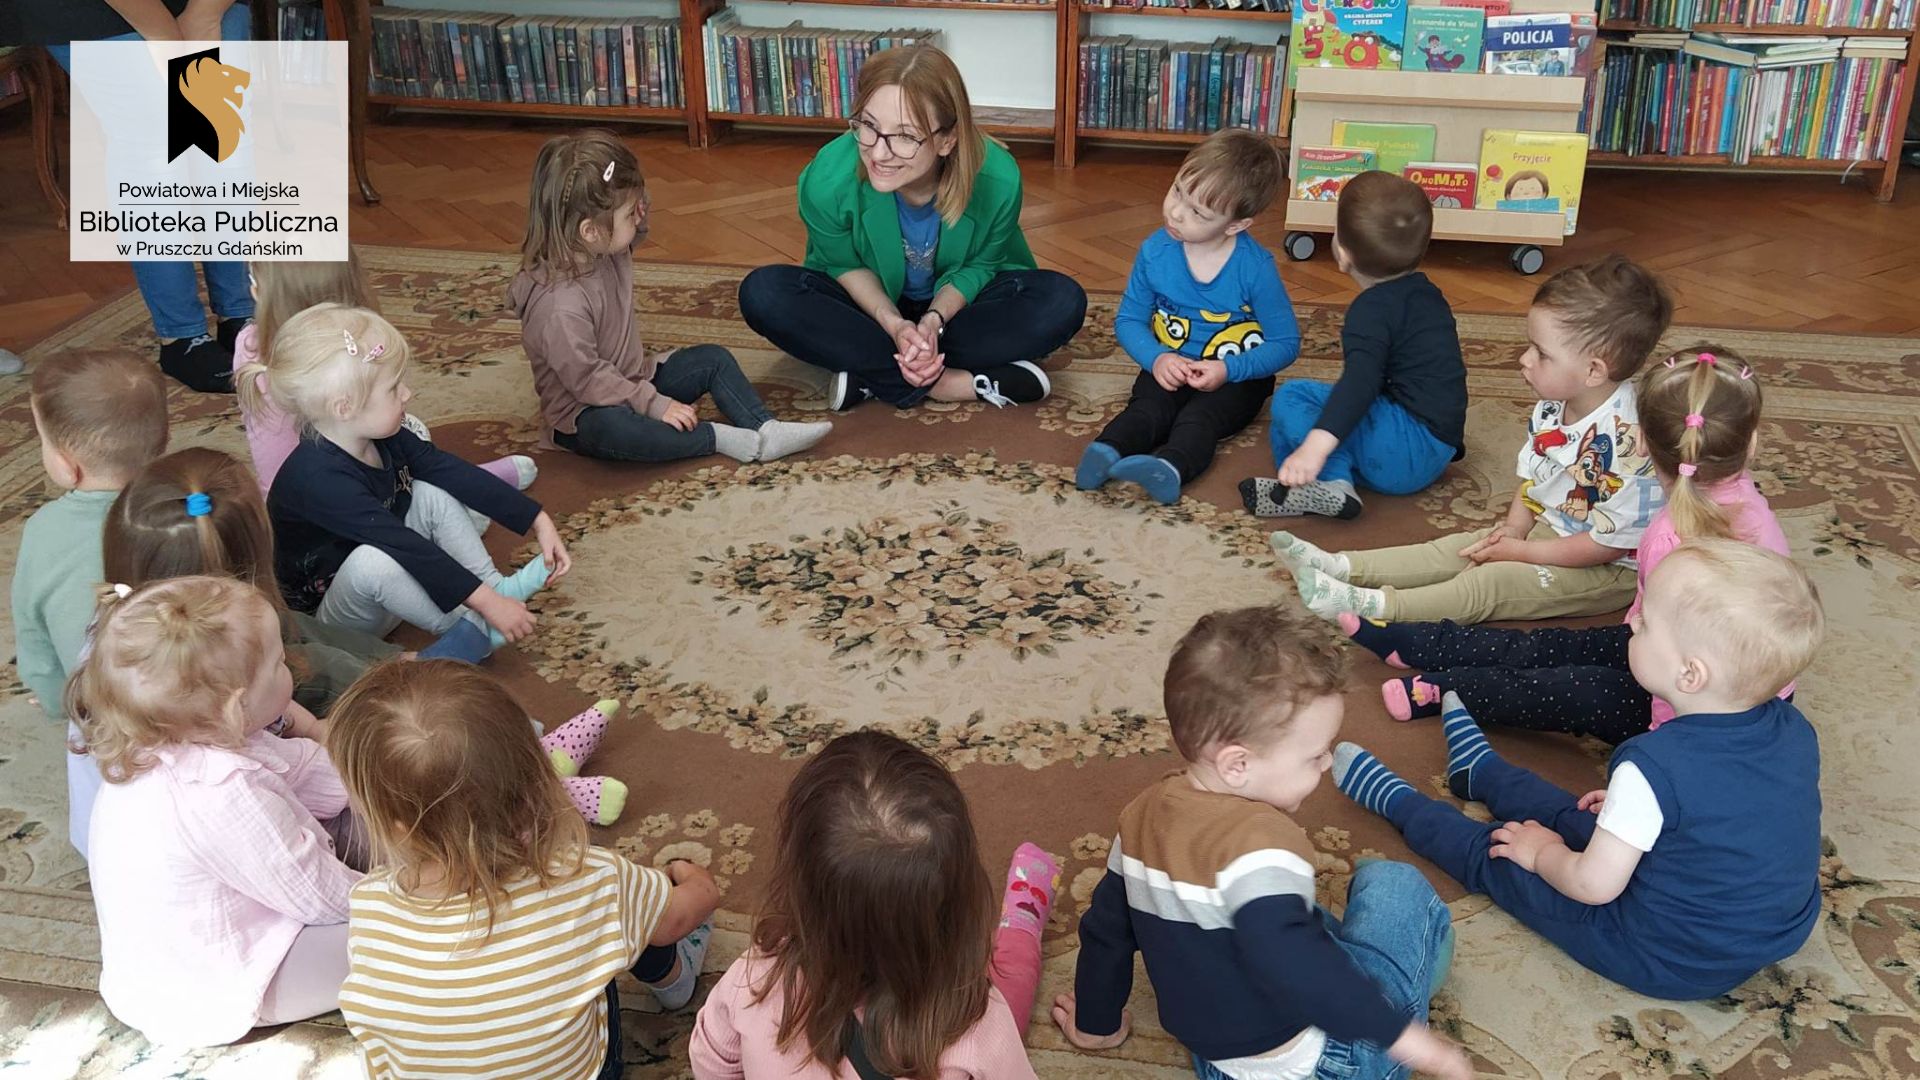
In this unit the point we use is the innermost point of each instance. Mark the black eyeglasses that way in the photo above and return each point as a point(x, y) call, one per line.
point(899, 144)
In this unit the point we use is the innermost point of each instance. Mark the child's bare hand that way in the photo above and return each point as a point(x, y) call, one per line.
point(1207, 375)
point(1170, 371)
point(1522, 843)
point(302, 724)
point(1498, 547)
point(552, 549)
point(680, 416)
point(503, 613)
point(1302, 467)
point(1428, 1053)
point(1063, 1015)
point(1494, 536)
point(1593, 800)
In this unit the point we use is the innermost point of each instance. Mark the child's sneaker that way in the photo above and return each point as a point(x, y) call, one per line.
point(1019, 383)
point(677, 993)
point(199, 363)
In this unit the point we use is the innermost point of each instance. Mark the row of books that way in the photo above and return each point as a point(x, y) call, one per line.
point(1672, 102)
point(1134, 84)
point(794, 70)
point(547, 59)
point(1685, 14)
point(1453, 36)
point(1539, 172)
point(1122, 6)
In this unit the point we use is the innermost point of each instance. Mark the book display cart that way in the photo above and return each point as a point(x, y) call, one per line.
point(1460, 107)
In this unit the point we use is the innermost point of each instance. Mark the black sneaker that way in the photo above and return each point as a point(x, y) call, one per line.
point(228, 332)
point(1019, 383)
point(845, 391)
point(199, 363)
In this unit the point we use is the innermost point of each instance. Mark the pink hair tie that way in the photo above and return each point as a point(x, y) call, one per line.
point(1688, 468)
point(1695, 420)
point(1708, 359)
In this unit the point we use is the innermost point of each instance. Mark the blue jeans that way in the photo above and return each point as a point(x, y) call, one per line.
point(617, 433)
point(1395, 931)
point(172, 289)
point(1389, 451)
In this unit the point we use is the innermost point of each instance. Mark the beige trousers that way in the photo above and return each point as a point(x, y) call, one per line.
point(1432, 581)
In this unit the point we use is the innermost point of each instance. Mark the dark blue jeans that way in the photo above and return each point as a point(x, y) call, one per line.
point(617, 433)
point(655, 963)
point(1020, 315)
point(172, 289)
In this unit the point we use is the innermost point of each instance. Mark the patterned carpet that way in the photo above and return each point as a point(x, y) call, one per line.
point(935, 573)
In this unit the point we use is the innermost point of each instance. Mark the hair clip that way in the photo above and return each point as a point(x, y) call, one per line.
point(1672, 359)
point(199, 504)
point(1707, 358)
point(607, 176)
point(375, 352)
point(122, 591)
point(1688, 468)
point(1745, 372)
point(353, 349)
point(1695, 420)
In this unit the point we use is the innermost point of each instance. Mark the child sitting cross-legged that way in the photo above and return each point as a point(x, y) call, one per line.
point(1397, 414)
point(1211, 881)
point(1205, 315)
point(1699, 864)
point(1587, 490)
point(1700, 414)
point(489, 932)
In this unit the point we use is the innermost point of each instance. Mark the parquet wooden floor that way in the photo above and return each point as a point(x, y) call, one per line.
point(1792, 252)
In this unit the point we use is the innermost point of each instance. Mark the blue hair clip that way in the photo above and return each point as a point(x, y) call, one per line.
point(199, 504)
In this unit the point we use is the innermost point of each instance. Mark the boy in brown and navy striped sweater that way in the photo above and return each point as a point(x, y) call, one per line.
point(1211, 880)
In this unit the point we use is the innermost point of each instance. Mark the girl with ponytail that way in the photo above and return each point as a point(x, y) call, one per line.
point(1700, 416)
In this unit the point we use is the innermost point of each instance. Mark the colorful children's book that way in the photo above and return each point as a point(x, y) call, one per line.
point(1394, 145)
point(1324, 170)
point(1443, 39)
point(1539, 44)
point(1532, 171)
point(1347, 33)
point(1449, 185)
point(1488, 8)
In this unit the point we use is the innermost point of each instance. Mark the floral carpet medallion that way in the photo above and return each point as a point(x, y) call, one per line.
point(934, 573)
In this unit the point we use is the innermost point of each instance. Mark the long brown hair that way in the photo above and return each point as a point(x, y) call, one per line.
point(580, 176)
point(446, 772)
point(152, 534)
point(936, 98)
point(1713, 383)
point(285, 289)
point(878, 901)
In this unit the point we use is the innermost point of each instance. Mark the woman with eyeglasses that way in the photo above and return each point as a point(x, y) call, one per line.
point(918, 282)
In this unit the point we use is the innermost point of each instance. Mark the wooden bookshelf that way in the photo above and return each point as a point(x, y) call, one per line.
point(1018, 124)
point(535, 110)
point(1242, 14)
point(1762, 163)
point(951, 5)
point(1762, 28)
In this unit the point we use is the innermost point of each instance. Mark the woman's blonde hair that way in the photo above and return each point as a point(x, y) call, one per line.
point(325, 356)
point(284, 289)
point(447, 774)
point(1698, 413)
point(580, 176)
point(936, 99)
point(168, 665)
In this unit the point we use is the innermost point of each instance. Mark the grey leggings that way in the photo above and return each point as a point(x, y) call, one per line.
point(617, 433)
point(373, 593)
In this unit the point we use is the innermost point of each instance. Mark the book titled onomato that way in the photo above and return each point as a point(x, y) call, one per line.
point(1540, 44)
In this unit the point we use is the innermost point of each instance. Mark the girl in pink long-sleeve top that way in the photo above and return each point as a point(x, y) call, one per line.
point(877, 944)
point(221, 897)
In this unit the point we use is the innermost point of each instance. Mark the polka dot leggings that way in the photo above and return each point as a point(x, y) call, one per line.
point(1572, 681)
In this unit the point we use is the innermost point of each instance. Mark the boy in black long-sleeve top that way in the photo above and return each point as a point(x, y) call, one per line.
point(1398, 413)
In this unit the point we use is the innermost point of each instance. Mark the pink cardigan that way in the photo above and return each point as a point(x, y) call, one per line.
point(205, 867)
point(272, 435)
point(736, 1037)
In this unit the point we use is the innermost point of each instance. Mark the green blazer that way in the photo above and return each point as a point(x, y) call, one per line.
point(850, 226)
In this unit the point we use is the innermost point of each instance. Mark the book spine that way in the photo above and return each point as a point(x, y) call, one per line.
point(1213, 90)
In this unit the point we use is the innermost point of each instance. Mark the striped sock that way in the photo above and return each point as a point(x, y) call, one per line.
point(1366, 781)
point(1467, 745)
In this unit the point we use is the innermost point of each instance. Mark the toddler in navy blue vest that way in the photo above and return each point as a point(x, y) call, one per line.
point(1699, 863)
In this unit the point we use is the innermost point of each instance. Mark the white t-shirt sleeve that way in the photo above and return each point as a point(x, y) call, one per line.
point(1631, 811)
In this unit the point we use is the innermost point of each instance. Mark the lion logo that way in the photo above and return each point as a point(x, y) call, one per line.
point(203, 105)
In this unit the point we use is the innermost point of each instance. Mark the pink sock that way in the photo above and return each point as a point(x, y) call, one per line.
point(1015, 972)
point(1410, 697)
point(600, 799)
point(1033, 877)
point(505, 469)
point(572, 743)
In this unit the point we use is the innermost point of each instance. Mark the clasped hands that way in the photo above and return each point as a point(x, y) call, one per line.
point(918, 348)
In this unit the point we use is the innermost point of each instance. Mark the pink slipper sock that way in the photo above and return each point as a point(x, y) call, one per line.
point(1411, 698)
point(1032, 879)
point(572, 743)
point(598, 798)
point(1372, 634)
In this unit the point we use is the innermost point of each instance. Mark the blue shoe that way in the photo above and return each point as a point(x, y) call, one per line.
point(1156, 475)
point(1095, 466)
point(463, 641)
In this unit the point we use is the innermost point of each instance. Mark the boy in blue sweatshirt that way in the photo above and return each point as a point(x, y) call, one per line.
point(1699, 863)
point(1205, 317)
point(1398, 413)
point(1211, 881)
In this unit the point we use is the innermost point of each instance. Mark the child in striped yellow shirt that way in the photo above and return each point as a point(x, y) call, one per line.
point(487, 937)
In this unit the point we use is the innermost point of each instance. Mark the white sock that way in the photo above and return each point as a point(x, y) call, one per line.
point(736, 442)
point(1297, 553)
point(1328, 598)
point(778, 438)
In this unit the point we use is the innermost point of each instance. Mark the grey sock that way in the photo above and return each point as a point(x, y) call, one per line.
point(778, 438)
point(737, 443)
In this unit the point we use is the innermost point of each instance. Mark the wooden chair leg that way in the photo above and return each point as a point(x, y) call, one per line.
point(42, 77)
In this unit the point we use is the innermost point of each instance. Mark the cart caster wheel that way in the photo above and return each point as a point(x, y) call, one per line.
point(1528, 259)
point(1300, 246)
